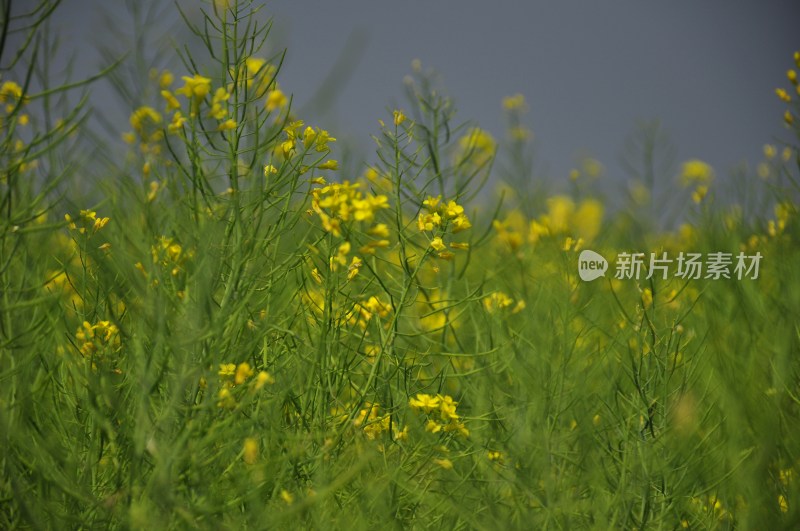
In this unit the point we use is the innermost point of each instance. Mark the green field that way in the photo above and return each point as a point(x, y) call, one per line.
point(228, 328)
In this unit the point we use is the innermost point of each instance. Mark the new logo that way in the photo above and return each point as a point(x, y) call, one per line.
point(591, 265)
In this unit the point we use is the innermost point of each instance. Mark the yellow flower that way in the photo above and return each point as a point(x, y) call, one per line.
point(145, 122)
point(497, 301)
point(177, 122)
point(477, 146)
point(99, 223)
point(380, 230)
point(647, 298)
point(399, 117)
point(400, 435)
point(444, 463)
point(196, 87)
point(457, 427)
point(425, 402)
point(696, 171)
point(447, 408)
point(453, 210)
point(587, 219)
point(355, 265)
point(438, 244)
point(10, 92)
point(515, 103)
point(329, 165)
point(783, 95)
point(172, 101)
point(250, 451)
point(276, 99)
point(341, 254)
point(520, 133)
point(699, 193)
point(227, 369)
point(560, 209)
point(461, 223)
point(264, 378)
point(165, 79)
point(321, 140)
point(536, 231)
point(225, 399)
point(258, 70)
point(243, 372)
point(433, 426)
point(432, 202)
point(227, 125)
point(427, 222)
point(221, 95)
point(783, 505)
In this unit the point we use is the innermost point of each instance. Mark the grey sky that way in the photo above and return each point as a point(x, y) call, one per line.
point(589, 69)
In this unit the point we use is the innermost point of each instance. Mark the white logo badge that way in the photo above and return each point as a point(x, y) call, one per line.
point(591, 265)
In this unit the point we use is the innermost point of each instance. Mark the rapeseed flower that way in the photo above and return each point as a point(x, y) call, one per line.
point(476, 146)
point(276, 100)
point(195, 88)
point(250, 451)
point(696, 171)
point(515, 103)
point(425, 402)
point(243, 372)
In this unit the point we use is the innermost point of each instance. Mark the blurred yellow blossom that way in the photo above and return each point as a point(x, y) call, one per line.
point(696, 171)
point(250, 451)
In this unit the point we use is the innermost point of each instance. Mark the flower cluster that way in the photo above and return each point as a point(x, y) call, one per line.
point(439, 218)
point(363, 312)
point(232, 375)
point(170, 255)
point(515, 106)
point(441, 412)
point(96, 339)
point(564, 217)
point(476, 147)
point(783, 213)
point(308, 138)
point(86, 221)
point(698, 174)
point(12, 99)
point(148, 123)
point(499, 301)
point(784, 95)
point(337, 203)
point(147, 129)
point(372, 422)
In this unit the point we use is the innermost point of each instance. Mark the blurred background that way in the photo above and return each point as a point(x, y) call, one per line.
point(591, 72)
